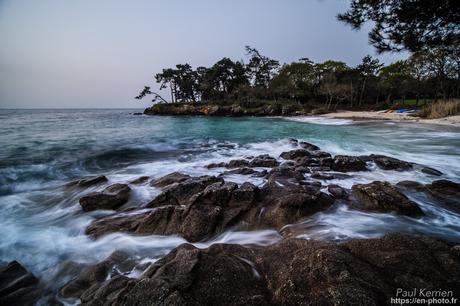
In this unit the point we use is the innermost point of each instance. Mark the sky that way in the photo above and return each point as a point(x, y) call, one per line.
point(99, 54)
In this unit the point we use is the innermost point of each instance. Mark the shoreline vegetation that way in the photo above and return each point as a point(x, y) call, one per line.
point(426, 115)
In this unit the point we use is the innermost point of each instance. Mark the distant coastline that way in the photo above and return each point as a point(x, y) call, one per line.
point(287, 109)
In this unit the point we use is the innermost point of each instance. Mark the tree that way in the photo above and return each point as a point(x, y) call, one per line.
point(407, 25)
point(295, 80)
point(394, 78)
point(260, 68)
point(147, 91)
point(367, 69)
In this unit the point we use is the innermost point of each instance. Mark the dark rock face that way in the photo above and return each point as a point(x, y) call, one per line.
point(264, 161)
point(284, 176)
point(431, 171)
point(140, 180)
point(96, 275)
point(337, 192)
point(242, 171)
point(90, 181)
point(390, 163)
point(383, 197)
point(112, 197)
point(295, 154)
point(18, 286)
point(169, 179)
point(446, 192)
point(308, 146)
point(181, 193)
point(236, 163)
point(291, 272)
point(345, 163)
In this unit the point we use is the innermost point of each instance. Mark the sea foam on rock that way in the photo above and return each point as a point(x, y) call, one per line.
point(111, 197)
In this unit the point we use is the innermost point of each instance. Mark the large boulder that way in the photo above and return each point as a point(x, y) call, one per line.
point(390, 163)
point(18, 286)
point(290, 272)
point(264, 160)
point(169, 179)
point(89, 181)
point(383, 197)
point(111, 197)
point(446, 192)
point(345, 163)
point(279, 206)
point(181, 193)
point(284, 176)
point(295, 154)
point(308, 146)
point(209, 205)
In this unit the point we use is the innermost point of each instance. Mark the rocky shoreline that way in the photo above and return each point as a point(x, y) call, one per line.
point(230, 110)
point(290, 272)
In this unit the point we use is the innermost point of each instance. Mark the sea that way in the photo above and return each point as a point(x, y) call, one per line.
point(42, 225)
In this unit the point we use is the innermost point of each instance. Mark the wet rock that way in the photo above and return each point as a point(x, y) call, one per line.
point(278, 205)
point(410, 185)
point(284, 176)
point(217, 165)
point(175, 177)
point(383, 197)
point(322, 176)
point(140, 180)
point(111, 197)
point(295, 154)
point(237, 163)
point(290, 272)
point(447, 193)
point(345, 163)
point(18, 286)
point(245, 195)
point(337, 192)
point(211, 209)
point(181, 193)
point(90, 181)
point(308, 146)
point(93, 275)
point(264, 161)
point(390, 163)
point(217, 194)
point(431, 171)
point(242, 171)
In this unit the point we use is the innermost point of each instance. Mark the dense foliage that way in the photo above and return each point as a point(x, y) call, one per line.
point(410, 25)
point(428, 74)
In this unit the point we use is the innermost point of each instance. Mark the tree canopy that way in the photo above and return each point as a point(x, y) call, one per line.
point(407, 25)
point(427, 74)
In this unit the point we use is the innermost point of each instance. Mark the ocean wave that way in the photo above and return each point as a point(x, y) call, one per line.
point(320, 120)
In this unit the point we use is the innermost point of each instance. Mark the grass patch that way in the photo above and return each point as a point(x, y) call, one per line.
point(441, 109)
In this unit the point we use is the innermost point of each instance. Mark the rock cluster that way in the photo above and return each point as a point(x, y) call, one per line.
point(291, 272)
point(197, 208)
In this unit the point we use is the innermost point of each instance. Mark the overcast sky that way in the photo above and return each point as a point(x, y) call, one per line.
point(87, 53)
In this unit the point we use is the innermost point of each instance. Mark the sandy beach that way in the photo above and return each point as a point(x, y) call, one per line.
point(368, 115)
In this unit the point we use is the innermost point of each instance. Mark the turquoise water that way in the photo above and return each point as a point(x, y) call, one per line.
point(42, 224)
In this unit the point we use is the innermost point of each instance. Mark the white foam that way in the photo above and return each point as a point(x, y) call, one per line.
point(320, 120)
